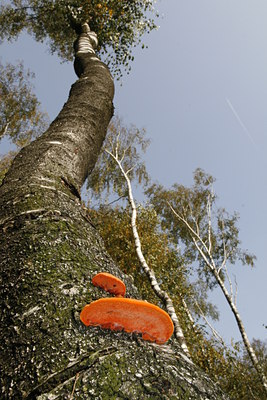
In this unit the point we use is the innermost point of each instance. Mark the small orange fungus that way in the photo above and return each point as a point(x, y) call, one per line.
point(129, 315)
point(110, 283)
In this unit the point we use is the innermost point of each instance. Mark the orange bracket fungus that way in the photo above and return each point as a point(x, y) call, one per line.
point(110, 283)
point(129, 315)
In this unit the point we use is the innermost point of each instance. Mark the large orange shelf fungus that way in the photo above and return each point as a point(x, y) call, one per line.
point(129, 315)
point(110, 283)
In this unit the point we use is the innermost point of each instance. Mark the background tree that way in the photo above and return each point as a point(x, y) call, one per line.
point(21, 118)
point(105, 181)
point(118, 152)
point(198, 207)
point(210, 238)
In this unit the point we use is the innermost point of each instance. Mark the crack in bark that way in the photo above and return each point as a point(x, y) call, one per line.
point(71, 187)
point(28, 216)
point(71, 371)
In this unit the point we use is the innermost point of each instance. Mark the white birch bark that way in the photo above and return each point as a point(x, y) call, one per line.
point(150, 273)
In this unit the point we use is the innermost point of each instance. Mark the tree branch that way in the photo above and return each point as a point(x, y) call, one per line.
point(195, 235)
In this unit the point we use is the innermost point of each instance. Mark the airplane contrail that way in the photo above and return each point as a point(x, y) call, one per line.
point(240, 121)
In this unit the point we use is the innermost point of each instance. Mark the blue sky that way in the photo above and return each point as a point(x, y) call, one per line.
point(200, 90)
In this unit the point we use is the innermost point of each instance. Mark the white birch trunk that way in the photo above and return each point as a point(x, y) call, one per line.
point(150, 273)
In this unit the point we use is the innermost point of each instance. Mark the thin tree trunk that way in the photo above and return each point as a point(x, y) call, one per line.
point(178, 332)
point(205, 253)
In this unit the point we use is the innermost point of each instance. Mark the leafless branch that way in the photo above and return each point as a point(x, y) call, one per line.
point(236, 287)
point(229, 281)
point(4, 130)
point(213, 330)
point(209, 224)
point(196, 238)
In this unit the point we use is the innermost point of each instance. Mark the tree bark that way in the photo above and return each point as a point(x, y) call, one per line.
point(49, 252)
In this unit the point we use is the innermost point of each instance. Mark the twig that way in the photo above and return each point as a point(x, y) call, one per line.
point(74, 385)
point(236, 287)
point(213, 330)
point(209, 222)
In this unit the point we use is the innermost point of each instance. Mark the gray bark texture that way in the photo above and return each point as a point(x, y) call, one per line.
point(49, 252)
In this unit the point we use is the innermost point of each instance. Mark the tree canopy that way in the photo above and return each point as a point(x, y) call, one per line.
point(21, 118)
point(119, 25)
point(105, 179)
point(197, 206)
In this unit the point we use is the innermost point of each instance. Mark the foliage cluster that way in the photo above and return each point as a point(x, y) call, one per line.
point(20, 116)
point(119, 25)
point(104, 178)
point(165, 261)
point(232, 368)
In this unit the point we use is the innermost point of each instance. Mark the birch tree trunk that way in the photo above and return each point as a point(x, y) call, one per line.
point(49, 252)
